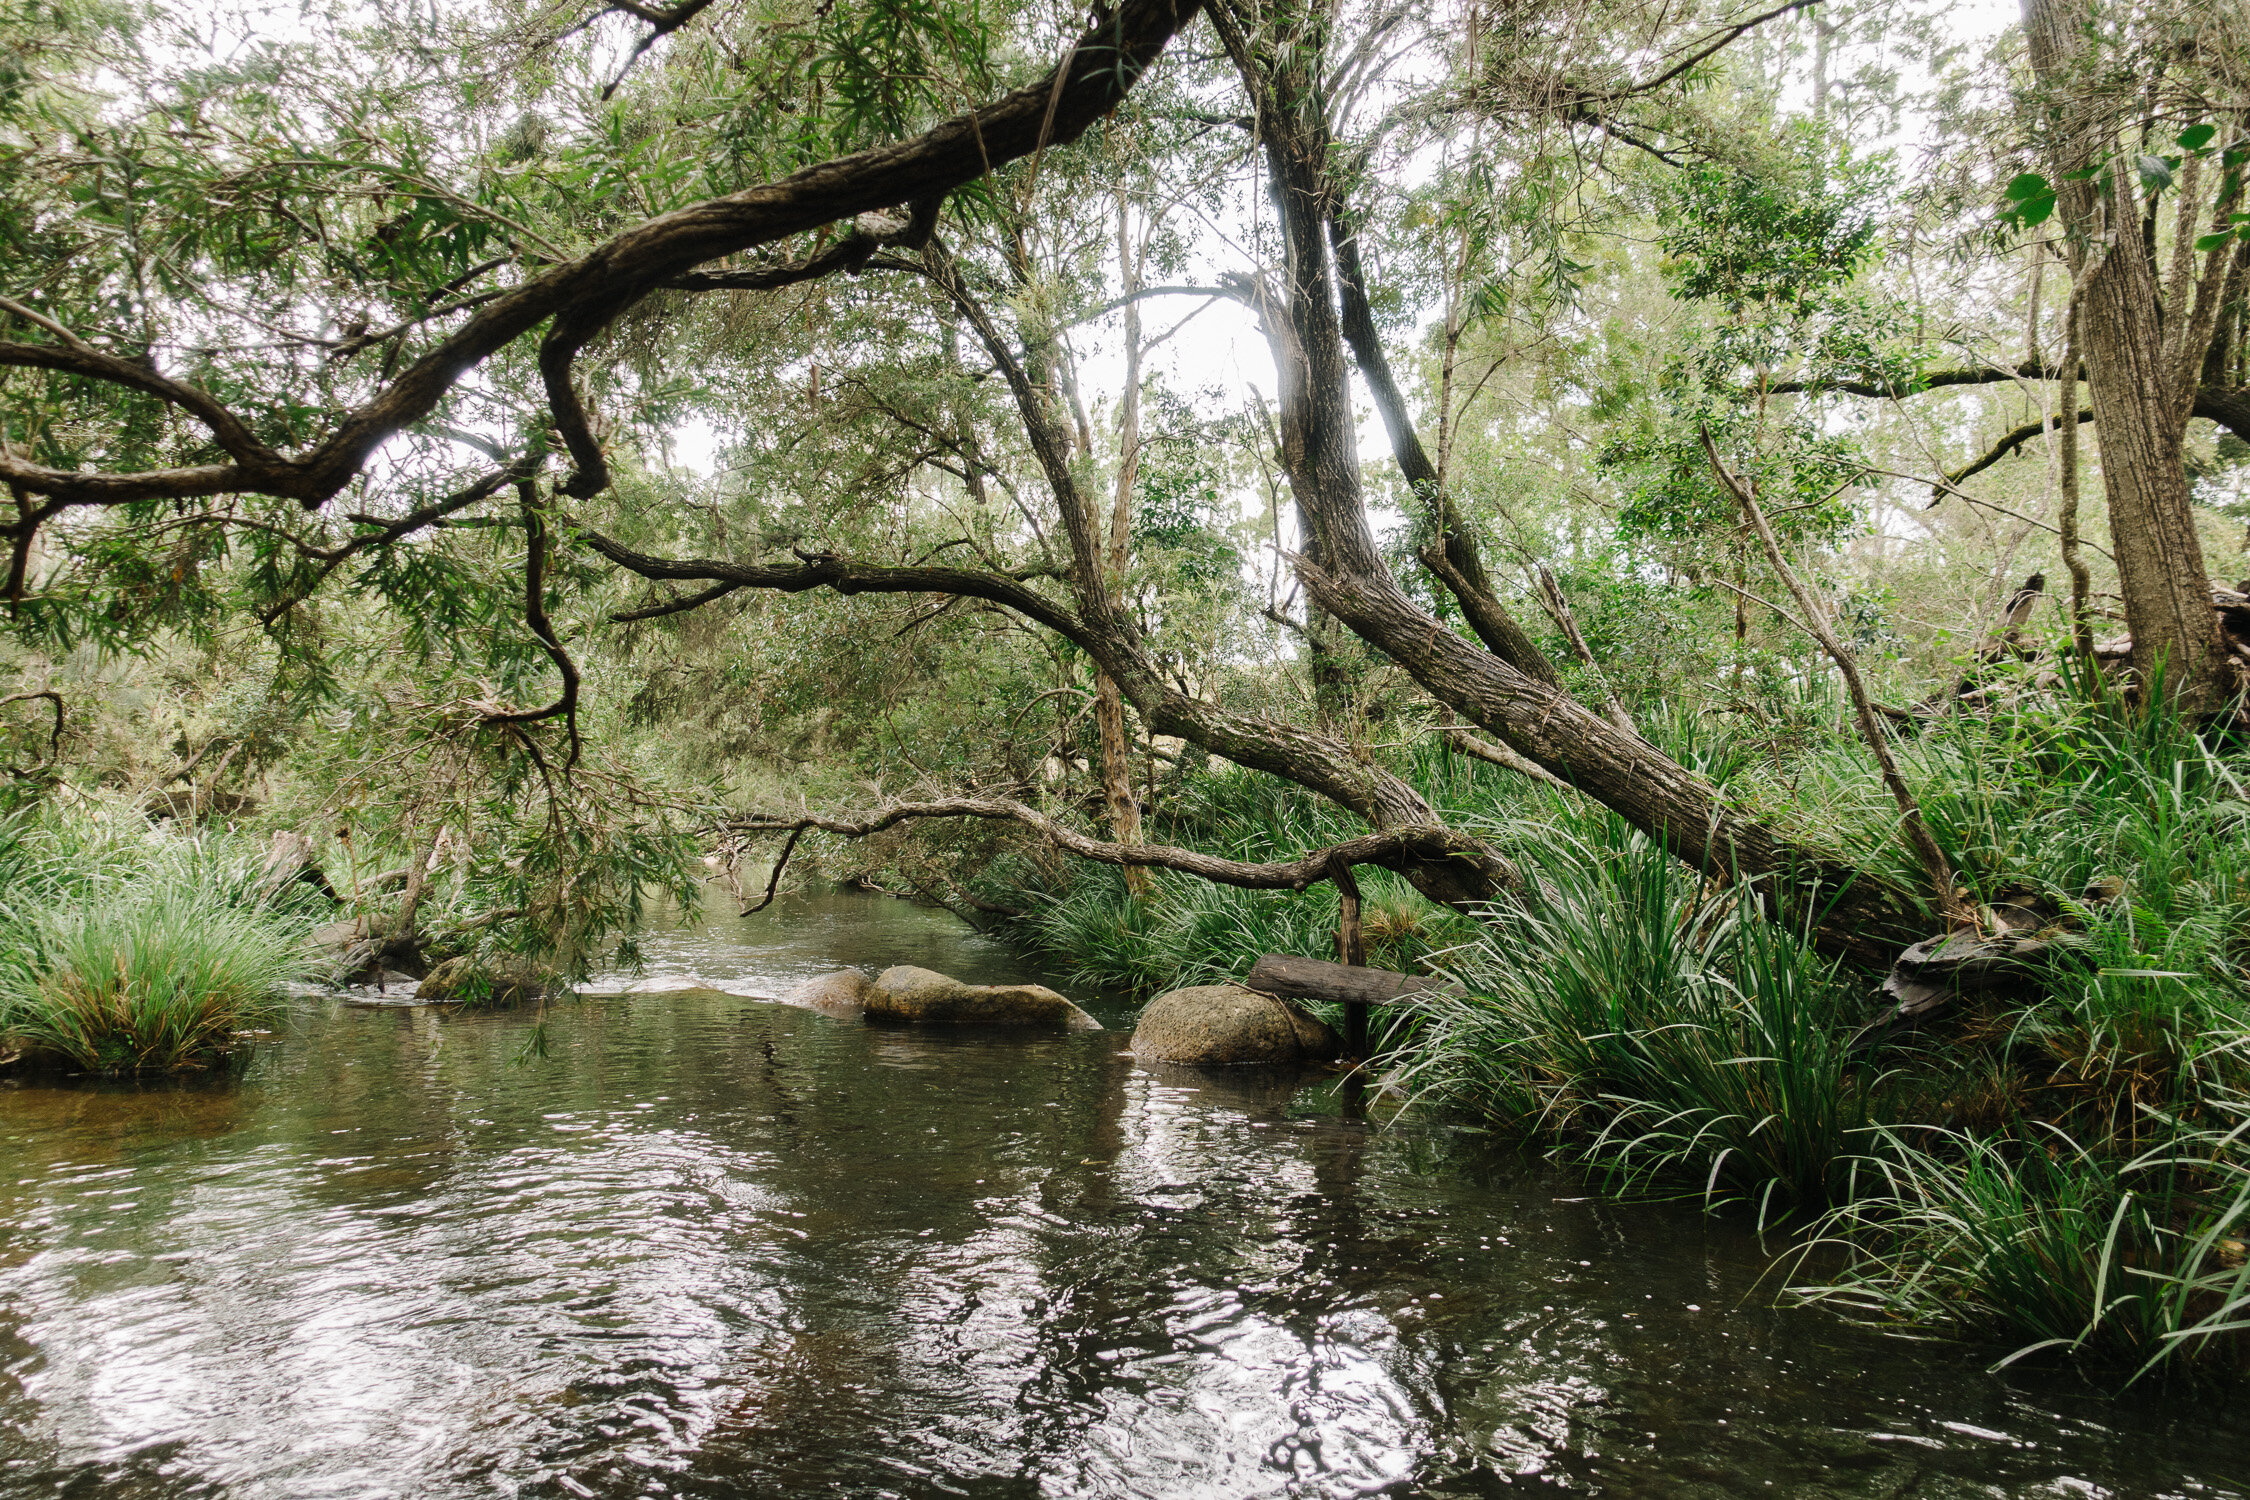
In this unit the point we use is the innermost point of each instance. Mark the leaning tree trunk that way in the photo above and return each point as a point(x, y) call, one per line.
point(2141, 404)
point(1850, 912)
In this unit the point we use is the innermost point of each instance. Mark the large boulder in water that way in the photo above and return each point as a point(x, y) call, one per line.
point(464, 979)
point(1225, 1025)
point(906, 993)
point(843, 993)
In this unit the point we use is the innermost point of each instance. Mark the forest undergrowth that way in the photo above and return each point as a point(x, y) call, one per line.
point(2060, 1167)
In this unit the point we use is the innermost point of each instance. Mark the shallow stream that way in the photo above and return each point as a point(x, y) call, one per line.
point(710, 1245)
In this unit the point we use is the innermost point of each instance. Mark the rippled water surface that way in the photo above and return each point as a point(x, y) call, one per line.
point(711, 1245)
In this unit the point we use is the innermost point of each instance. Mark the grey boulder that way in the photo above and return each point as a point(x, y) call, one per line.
point(464, 979)
point(1225, 1025)
point(906, 993)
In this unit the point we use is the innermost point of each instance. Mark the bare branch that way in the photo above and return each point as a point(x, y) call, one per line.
point(1394, 848)
point(1918, 837)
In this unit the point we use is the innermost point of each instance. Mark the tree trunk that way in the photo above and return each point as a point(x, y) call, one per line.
point(2140, 410)
point(1109, 703)
point(1851, 912)
point(1117, 775)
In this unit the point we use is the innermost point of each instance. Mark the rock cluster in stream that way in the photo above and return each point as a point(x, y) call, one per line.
point(924, 996)
point(1226, 1025)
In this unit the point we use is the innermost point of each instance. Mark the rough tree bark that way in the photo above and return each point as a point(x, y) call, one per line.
point(1109, 701)
point(2141, 374)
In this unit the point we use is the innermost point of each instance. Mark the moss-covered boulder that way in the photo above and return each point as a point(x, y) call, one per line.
point(906, 993)
point(1225, 1025)
point(842, 994)
point(464, 979)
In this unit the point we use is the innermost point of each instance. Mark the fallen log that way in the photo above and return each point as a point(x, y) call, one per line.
point(1341, 984)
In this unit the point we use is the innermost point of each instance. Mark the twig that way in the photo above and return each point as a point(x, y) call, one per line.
point(1934, 864)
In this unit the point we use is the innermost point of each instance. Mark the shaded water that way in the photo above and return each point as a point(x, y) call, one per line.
point(714, 1246)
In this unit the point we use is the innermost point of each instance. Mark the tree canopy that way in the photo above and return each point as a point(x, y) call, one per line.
point(596, 425)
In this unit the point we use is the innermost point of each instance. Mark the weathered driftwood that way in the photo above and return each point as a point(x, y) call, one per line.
point(2112, 656)
point(1341, 984)
point(2027, 936)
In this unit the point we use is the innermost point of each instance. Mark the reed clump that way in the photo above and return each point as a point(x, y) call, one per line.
point(126, 951)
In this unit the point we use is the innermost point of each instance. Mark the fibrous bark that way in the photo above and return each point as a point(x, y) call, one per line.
point(2141, 374)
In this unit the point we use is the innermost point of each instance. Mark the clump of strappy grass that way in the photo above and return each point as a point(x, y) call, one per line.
point(125, 950)
point(2129, 1261)
point(144, 982)
point(1670, 1037)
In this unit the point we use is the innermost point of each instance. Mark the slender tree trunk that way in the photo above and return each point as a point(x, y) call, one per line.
point(1109, 702)
point(2073, 555)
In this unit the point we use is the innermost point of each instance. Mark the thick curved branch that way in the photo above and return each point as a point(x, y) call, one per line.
point(74, 356)
point(571, 332)
point(1335, 770)
point(819, 570)
point(1392, 849)
point(1092, 79)
point(2014, 439)
point(2229, 406)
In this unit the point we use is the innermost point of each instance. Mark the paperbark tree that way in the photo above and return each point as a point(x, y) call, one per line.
point(2145, 345)
point(1278, 53)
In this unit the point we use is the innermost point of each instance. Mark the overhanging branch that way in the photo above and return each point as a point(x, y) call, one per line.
point(1395, 848)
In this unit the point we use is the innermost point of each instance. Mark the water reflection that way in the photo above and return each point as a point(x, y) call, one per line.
point(712, 1246)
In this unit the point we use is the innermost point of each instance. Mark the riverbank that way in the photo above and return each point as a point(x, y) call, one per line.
point(2055, 1166)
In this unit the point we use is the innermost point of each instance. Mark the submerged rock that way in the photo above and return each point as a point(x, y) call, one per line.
point(458, 979)
point(362, 947)
point(843, 993)
point(1226, 1025)
point(906, 993)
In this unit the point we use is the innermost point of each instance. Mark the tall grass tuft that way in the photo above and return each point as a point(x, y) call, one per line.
point(1671, 1038)
point(2060, 1169)
point(2134, 1262)
point(144, 983)
point(123, 950)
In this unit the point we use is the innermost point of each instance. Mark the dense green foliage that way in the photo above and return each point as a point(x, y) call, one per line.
point(2064, 1165)
point(1810, 254)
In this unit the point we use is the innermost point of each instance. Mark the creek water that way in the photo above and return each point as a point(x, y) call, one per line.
point(710, 1245)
